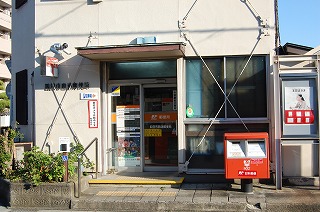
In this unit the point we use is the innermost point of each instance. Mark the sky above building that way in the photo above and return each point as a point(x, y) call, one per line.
point(299, 22)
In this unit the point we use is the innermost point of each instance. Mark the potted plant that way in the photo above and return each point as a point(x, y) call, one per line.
point(4, 106)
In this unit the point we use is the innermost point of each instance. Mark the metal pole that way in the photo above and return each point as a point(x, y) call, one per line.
point(79, 175)
point(79, 163)
point(96, 158)
point(65, 163)
point(277, 122)
point(246, 185)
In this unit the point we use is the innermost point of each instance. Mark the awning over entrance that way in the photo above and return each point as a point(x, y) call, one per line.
point(133, 51)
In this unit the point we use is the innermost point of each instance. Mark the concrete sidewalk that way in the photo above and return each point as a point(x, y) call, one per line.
point(192, 197)
point(198, 197)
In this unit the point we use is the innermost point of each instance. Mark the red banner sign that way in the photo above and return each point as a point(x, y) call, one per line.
point(299, 117)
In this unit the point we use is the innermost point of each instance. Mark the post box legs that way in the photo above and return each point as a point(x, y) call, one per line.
point(246, 185)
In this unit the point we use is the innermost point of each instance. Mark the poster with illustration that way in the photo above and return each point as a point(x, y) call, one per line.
point(298, 105)
point(129, 151)
point(128, 133)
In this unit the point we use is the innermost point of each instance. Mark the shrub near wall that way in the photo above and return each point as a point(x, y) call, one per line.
point(35, 181)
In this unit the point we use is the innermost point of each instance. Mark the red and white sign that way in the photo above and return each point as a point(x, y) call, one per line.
point(299, 117)
point(256, 161)
point(298, 105)
point(49, 66)
point(93, 113)
point(247, 173)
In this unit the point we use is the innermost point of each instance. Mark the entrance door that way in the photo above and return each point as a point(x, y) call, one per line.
point(160, 128)
point(126, 133)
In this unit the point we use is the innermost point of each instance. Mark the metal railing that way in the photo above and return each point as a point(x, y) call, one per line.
point(79, 163)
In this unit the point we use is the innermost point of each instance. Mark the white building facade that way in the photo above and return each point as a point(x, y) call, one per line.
point(147, 78)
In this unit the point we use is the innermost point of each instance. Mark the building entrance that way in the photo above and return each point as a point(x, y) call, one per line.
point(160, 128)
point(144, 127)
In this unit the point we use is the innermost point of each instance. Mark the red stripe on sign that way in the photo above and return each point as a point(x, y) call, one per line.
point(298, 117)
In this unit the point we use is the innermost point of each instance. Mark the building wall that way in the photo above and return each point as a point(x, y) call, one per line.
point(214, 28)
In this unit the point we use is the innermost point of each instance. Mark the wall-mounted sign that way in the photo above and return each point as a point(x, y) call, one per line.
point(115, 91)
point(298, 105)
point(160, 117)
point(93, 113)
point(49, 66)
point(65, 86)
point(88, 96)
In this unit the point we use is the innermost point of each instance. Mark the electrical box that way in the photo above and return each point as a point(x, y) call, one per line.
point(64, 144)
point(247, 155)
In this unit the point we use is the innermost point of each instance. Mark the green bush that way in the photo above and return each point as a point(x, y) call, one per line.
point(2, 85)
point(4, 96)
point(6, 151)
point(4, 100)
point(4, 103)
point(38, 167)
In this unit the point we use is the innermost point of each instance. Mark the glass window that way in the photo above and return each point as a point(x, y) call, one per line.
point(210, 153)
point(248, 96)
point(203, 93)
point(143, 70)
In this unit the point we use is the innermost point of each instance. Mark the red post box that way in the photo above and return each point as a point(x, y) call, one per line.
point(247, 155)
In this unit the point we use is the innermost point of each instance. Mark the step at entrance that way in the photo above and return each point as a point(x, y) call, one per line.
point(128, 180)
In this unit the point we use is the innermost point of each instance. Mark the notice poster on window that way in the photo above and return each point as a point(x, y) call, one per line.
point(298, 105)
point(128, 133)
